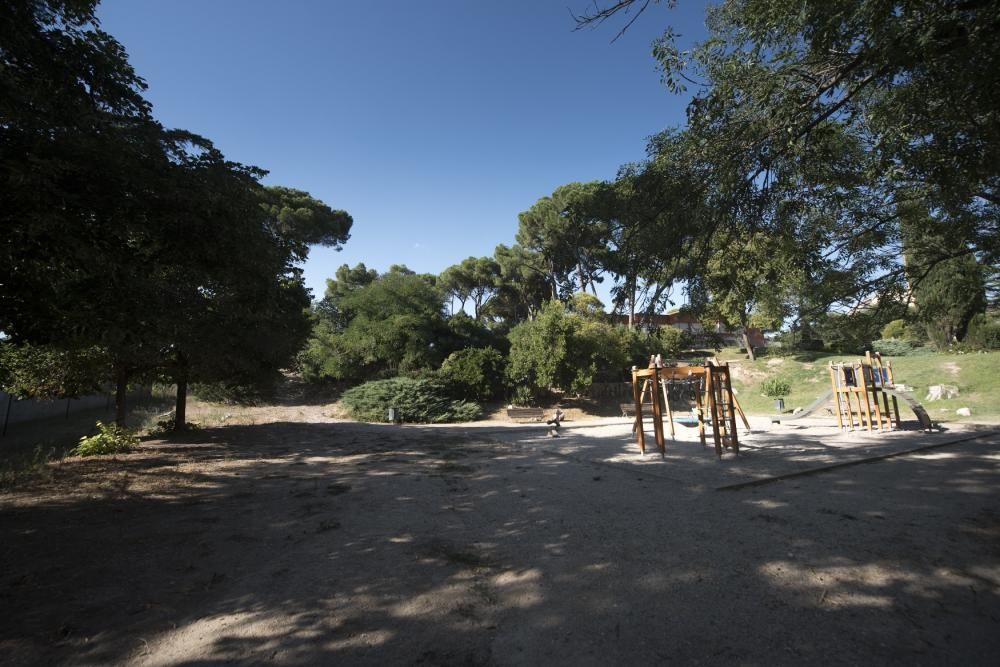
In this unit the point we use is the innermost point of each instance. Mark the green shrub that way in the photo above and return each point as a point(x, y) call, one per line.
point(418, 401)
point(236, 392)
point(110, 439)
point(523, 396)
point(775, 388)
point(895, 329)
point(166, 426)
point(983, 333)
point(476, 372)
point(893, 347)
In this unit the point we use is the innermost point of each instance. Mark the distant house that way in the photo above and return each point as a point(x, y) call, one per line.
point(687, 321)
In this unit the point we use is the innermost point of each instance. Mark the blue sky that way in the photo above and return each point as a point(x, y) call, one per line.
point(433, 123)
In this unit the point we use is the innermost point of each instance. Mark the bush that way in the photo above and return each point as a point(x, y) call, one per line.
point(236, 392)
point(418, 401)
point(893, 347)
point(775, 388)
point(476, 372)
point(562, 350)
point(983, 333)
point(110, 439)
point(523, 396)
point(895, 329)
point(166, 426)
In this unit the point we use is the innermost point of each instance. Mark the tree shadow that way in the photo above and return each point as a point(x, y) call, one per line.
point(346, 543)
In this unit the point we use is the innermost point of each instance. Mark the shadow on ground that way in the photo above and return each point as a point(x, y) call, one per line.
point(342, 543)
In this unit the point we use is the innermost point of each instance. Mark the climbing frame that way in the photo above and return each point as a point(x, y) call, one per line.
point(650, 390)
point(862, 391)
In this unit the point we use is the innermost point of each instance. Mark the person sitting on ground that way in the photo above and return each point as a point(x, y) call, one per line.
point(554, 422)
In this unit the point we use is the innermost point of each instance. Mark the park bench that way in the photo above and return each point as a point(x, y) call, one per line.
point(628, 409)
point(530, 414)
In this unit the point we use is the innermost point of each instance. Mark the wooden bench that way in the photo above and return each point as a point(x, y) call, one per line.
point(628, 409)
point(530, 414)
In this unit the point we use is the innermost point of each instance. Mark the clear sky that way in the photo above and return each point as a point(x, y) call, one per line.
point(433, 122)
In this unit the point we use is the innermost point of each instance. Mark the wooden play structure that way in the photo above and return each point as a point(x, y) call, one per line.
point(862, 393)
point(710, 388)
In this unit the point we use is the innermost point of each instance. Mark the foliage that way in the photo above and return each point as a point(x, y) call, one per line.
point(121, 235)
point(169, 425)
point(390, 325)
point(299, 220)
point(852, 333)
point(562, 350)
point(475, 372)
point(475, 279)
point(983, 333)
point(898, 328)
point(668, 342)
point(893, 347)
point(524, 396)
point(568, 239)
point(523, 286)
point(817, 124)
point(419, 401)
point(26, 467)
point(775, 388)
point(109, 439)
point(49, 372)
point(462, 331)
point(235, 392)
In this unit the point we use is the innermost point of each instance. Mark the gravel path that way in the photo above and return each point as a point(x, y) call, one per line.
point(305, 541)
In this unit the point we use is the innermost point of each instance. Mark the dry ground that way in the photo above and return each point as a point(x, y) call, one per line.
point(300, 540)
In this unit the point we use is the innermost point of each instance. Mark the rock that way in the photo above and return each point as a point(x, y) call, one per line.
point(963, 412)
point(797, 410)
point(936, 392)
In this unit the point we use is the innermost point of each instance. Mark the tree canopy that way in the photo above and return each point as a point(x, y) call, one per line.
point(124, 236)
point(820, 123)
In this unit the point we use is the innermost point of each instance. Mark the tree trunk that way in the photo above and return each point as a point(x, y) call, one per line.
point(180, 405)
point(747, 345)
point(631, 304)
point(121, 391)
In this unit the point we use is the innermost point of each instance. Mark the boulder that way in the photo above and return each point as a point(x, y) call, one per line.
point(963, 412)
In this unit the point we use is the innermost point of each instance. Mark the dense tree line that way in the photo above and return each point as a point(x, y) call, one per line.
point(129, 248)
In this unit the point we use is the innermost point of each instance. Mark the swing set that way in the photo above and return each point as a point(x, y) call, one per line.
point(708, 386)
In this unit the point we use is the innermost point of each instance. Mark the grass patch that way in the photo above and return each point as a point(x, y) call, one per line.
point(26, 467)
point(977, 377)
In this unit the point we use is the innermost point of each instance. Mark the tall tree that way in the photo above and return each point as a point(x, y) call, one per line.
point(914, 83)
point(474, 279)
point(569, 241)
point(524, 284)
point(389, 325)
point(119, 234)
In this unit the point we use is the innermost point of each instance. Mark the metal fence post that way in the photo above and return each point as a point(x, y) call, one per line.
point(10, 399)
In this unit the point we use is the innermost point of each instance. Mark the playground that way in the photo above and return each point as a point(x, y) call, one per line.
point(299, 539)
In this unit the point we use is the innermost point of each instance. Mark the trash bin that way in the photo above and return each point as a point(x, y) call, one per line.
point(779, 404)
point(394, 416)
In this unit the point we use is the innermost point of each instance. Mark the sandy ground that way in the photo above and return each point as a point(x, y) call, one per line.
point(307, 541)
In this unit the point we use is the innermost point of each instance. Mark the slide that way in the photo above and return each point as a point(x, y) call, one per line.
point(907, 397)
point(813, 407)
point(918, 410)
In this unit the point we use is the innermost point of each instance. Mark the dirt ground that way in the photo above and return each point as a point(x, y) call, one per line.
point(302, 540)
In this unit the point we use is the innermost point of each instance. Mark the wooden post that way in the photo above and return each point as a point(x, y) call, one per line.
point(666, 403)
point(657, 413)
point(637, 427)
point(835, 392)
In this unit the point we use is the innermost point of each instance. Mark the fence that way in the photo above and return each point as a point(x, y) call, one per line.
point(600, 390)
point(17, 411)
